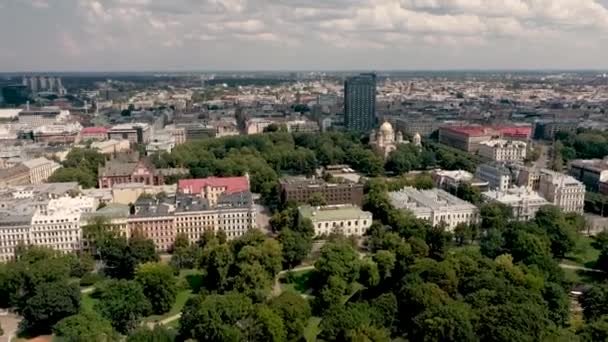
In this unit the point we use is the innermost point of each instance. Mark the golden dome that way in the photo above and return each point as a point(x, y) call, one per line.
point(387, 128)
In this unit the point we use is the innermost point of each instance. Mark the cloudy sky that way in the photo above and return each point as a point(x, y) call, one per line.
point(302, 34)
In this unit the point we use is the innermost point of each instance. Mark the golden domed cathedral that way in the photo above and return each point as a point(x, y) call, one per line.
point(386, 141)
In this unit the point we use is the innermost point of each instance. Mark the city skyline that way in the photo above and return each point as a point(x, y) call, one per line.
point(146, 35)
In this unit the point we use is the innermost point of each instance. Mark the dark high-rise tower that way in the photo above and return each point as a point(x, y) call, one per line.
point(360, 102)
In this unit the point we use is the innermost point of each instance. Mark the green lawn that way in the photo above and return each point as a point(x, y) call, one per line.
point(88, 302)
point(312, 330)
point(583, 254)
point(297, 281)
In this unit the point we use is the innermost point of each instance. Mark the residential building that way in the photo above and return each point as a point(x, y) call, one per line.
point(40, 169)
point(503, 150)
point(436, 206)
point(58, 224)
point(16, 175)
point(197, 131)
point(523, 202)
point(591, 172)
point(497, 175)
point(155, 220)
point(212, 187)
point(128, 193)
point(136, 133)
point(15, 223)
point(233, 213)
point(111, 146)
point(94, 134)
point(115, 217)
point(450, 181)
point(347, 220)
point(563, 191)
point(302, 126)
point(529, 177)
point(413, 126)
point(302, 190)
point(360, 102)
point(128, 169)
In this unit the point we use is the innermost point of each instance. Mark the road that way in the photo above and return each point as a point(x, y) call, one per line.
point(580, 268)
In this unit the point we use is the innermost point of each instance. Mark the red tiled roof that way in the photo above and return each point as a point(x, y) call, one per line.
point(471, 130)
point(508, 131)
point(515, 131)
point(94, 130)
point(196, 186)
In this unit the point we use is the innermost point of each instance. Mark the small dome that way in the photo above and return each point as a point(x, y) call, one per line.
point(386, 128)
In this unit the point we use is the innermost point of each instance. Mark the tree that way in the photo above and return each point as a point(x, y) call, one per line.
point(121, 257)
point(451, 322)
point(158, 334)
point(296, 247)
point(217, 259)
point(494, 215)
point(158, 284)
point(50, 303)
point(123, 303)
point(294, 311)
point(266, 326)
point(595, 302)
point(338, 259)
point(561, 234)
point(317, 199)
point(215, 317)
point(595, 330)
point(84, 327)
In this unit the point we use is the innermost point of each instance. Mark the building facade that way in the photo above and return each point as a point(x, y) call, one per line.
point(120, 171)
point(468, 138)
point(16, 175)
point(360, 102)
point(503, 150)
point(346, 220)
point(436, 206)
point(40, 169)
point(302, 190)
point(563, 191)
point(592, 172)
point(136, 133)
point(497, 175)
point(94, 134)
point(523, 202)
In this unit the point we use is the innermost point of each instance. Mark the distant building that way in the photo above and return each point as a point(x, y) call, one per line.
point(563, 191)
point(197, 131)
point(123, 170)
point(302, 126)
point(302, 190)
point(523, 202)
point(592, 172)
point(137, 133)
point(43, 116)
point(16, 175)
point(450, 181)
point(40, 169)
point(503, 150)
point(468, 138)
point(348, 220)
point(413, 126)
point(360, 102)
point(68, 133)
point(111, 146)
point(212, 187)
point(94, 134)
point(436, 206)
point(498, 176)
point(386, 141)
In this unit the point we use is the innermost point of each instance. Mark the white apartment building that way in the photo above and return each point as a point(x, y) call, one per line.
point(503, 150)
point(524, 203)
point(563, 191)
point(349, 220)
point(436, 206)
point(40, 169)
point(58, 225)
point(111, 146)
point(498, 176)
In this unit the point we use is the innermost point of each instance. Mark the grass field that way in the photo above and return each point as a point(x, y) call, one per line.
point(584, 254)
point(297, 281)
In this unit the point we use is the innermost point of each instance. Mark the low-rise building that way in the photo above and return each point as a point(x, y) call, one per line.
point(212, 187)
point(111, 146)
point(503, 150)
point(94, 134)
point(155, 220)
point(128, 193)
point(128, 170)
point(591, 172)
point(40, 169)
point(436, 206)
point(468, 138)
point(497, 175)
point(302, 190)
point(16, 175)
point(452, 180)
point(136, 133)
point(524, 203)
point(348, 220)
point(563, 191)
point(68, 133)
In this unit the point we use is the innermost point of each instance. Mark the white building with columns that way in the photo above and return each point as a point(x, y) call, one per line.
point(565, 192)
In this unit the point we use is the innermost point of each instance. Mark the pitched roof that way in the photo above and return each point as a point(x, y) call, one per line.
point(232, 184)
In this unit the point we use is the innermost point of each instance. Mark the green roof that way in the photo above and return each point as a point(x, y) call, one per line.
point(333, 213)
